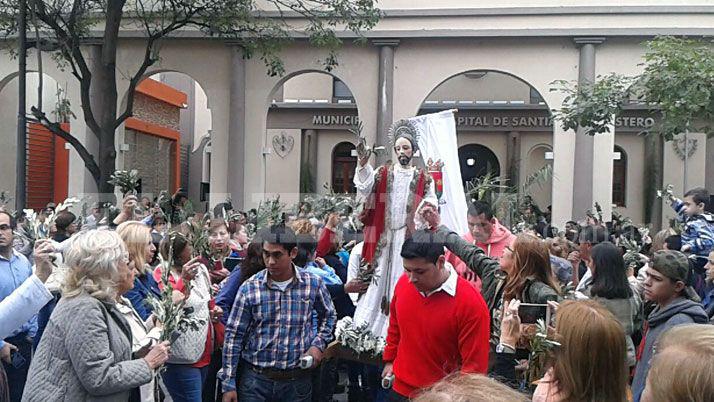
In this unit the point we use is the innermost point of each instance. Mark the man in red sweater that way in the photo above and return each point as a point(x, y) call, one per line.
point(438, 323)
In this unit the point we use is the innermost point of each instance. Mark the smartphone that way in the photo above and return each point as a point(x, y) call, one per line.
point(531, 313)
point(231, 262)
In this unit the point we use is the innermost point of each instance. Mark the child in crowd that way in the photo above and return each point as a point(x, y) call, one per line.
point(698, 233)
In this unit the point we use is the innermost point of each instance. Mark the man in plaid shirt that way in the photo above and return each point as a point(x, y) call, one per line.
point(271, 327)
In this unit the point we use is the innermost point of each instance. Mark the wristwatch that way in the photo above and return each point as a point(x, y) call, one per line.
point(503, 348)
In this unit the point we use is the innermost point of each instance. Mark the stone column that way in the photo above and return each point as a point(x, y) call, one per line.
point(513, 157)
point(96, 98)
point(385, 94)
point(584, 144)
point(308, 158)
point(236, 128)
point(654, 179)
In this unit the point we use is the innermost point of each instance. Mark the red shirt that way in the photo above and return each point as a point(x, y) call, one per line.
point(431, 337)
point(178, 284)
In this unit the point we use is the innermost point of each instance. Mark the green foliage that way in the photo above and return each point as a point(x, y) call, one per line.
point(541, 348)
point(679, 79)
point(592, 107)
point(258, 27)
point(172, 316)
point(126, 180)
point(677, 82)
point(509, 203)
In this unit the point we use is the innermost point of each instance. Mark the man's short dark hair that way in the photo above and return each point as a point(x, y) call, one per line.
point(699, 195)
point(64, 219)
point(423, 244)
point(673, 242)
point(279, 234)
point(478, 207)
point(593, 234)
point(13, 221)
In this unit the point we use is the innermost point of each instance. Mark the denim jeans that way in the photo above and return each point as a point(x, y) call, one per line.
point(255, 387)
point(17, 372)
point(184, 383)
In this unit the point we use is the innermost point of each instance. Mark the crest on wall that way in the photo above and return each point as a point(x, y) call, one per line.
point(680, 147)
point(283, 143)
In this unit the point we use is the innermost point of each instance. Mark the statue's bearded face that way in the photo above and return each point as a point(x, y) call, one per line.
point(403, 149)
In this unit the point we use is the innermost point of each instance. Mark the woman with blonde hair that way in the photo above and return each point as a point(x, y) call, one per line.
point(469, 388)
point(590, 364)
point(86, 351)
point(683, 368)
point(137, 238)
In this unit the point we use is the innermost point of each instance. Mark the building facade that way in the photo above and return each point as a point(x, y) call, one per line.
point(494, 62)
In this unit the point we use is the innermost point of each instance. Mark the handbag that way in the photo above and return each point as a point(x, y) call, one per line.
point(191, 342)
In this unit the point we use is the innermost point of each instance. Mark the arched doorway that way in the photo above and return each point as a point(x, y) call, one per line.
point(500, 118)
point(308, 140)
point(343, 168)
point(540, 157)
point(477, 161)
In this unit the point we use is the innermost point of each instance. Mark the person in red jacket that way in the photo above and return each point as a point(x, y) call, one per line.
point(438, 323)
point(485, 232)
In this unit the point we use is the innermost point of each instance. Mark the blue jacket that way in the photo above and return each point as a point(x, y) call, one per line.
point(227, 294)
point(698, 230)
point(144, 286)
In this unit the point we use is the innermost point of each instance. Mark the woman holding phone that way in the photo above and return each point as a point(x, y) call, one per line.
point(524, 272)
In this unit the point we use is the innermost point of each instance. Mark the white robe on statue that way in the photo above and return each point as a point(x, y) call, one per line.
point(368, 308)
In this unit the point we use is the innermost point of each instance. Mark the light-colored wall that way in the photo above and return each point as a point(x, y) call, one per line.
point(326, 142)
point(533, 149)
point(358, 69)
point(491, 87)
point(283, 174)
point(314, 86)
point(674, 170)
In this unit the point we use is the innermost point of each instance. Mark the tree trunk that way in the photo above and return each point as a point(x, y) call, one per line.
point(104, 105)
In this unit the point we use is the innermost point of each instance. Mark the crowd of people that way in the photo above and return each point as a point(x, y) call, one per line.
point(86, 313)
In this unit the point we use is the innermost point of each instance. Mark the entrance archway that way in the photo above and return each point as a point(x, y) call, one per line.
point(477, 161)
point(308, 142)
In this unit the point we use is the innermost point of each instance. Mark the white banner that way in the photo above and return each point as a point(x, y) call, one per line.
point(437, 140)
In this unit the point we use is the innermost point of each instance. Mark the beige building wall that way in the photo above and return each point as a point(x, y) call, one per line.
point(309, 86)
point(283, 173)
point(532, 158)
point(674, 170)
point(474, 86)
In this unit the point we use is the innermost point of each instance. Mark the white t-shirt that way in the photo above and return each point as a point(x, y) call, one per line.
point(282, 285)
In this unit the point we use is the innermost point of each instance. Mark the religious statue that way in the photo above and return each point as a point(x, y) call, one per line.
point(393, 194)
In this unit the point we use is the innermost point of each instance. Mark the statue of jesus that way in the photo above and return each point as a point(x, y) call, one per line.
point(393, 194)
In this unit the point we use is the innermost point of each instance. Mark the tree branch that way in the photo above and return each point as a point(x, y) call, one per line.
point(56, 128)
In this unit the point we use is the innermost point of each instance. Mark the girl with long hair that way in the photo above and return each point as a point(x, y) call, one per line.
point(589, 364)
